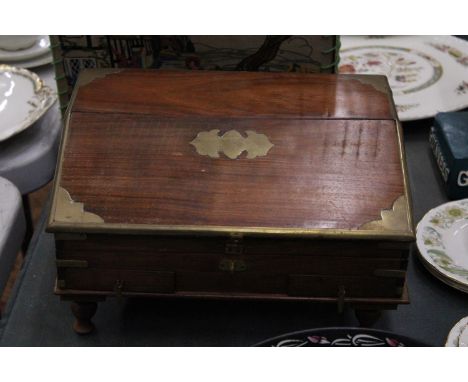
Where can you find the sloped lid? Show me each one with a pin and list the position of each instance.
(232, 153)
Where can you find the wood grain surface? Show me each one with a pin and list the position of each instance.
(237, 94)
(139, 169)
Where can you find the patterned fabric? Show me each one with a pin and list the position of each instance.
(312, 54)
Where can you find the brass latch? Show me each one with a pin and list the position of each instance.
(230, 265)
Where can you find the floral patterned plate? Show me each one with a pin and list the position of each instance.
(427, 74)
(442, 240)
(341, 337)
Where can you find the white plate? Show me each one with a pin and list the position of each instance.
(463, 338)
(33, 62)
(9, 42)
(442, 240)
(23, 100)
(40, 48)
(453, 338)
(427, 74)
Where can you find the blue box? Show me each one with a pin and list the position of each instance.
(449, 141)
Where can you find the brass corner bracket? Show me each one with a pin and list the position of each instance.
(377, 83)
(394, 219)
(69, 211)
(89, 75)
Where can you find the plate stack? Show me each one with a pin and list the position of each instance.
(441, 237)
(458, 336)
(25, 51)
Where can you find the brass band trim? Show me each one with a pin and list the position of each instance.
(149, 229)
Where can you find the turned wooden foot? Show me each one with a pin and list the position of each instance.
(367, 317)
(83, 312)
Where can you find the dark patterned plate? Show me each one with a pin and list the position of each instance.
(340, 337)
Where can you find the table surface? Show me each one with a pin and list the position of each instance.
(36, 317)
(28, 158)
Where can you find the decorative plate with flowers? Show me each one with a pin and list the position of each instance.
(340, 337)
(427, 74)
(442, 239)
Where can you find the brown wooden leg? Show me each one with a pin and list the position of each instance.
(83, 312)
(367, 317)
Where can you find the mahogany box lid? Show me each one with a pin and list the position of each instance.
(232, 153)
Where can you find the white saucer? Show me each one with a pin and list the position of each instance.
(23, 100)
(442, 240)
(33, 62)
(40, 48)
(453, 339)
(463, 338)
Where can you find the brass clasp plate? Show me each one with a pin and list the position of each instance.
(230, 265)
(232, 144)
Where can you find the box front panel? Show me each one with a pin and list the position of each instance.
(153, 265)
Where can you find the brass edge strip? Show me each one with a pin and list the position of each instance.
(406, 185)
(404, 165)
(58, 168)
(152, 229)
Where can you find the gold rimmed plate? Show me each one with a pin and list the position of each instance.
(23, 100)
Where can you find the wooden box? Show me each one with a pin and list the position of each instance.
(231, 185)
